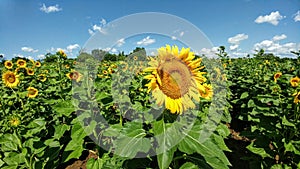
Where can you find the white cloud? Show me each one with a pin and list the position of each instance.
(99, 28)
(120, 42)
(29, 49)
(297, 16)
(233, 47)
(276, 48)
(19, 55)
(209, 52)
(41, 56)
(181, 34)
(50, 9)
(70, 48)
(273, 18)
(103, 21)
(174, 38)
(237, 38)
(146, 41)
(279, 37)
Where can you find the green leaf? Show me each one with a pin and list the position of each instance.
(244, 95)
(251, 103)
(60, 130)
(64, 108)
(189, 165)
(131, 140)
(73, 150)
(10, 142)
(77, 132)
(290, 147)
(13, 158)
(287, 123)
(94, 164)
(260, 151)
(36, 126)
(192, 143)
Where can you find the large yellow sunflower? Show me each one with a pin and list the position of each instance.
(295, 81)
(175, 78)
(32, 92)
(8, 64)
(38, 64)
(74, 75)
(21, 63)
(10, 79)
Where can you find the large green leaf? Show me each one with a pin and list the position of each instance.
(94, 164)
(211, 152)
(131, 140)
(189, 165)
(64, 108)
(60, 130)
(256, 150)
(73, 150)
(10, 142)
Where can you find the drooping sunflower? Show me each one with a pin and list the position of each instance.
(276, 76)
(296, 97)
(21, 63)
(10, 79)
(30, 71)
(175, 78)
(38, 64)
(8, 64)
(295, 81)
(207, 93)
(42, 77)
(32, 92)
(74, 75)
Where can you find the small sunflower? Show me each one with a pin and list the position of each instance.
(8, 64)
(295, 81)
(67, 66)
(29, 71)
(276, 76)
(14, 121)
(74, 75)
(296, 97)
(207, 93)
(21, 63)
(38, 64)
(42, 77)
(32, 92)
(10, 79)
(175, 78)
(62, 53)
(135, 58)
(105, 72)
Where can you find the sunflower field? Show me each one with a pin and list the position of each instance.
(174, 110)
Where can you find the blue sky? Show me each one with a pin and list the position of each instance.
(32, 28)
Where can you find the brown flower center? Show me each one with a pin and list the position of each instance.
(11, 78)
(175, 78)
(31, 92)
(74, 75)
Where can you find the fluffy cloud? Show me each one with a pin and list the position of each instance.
(146, 41)
(237, 38)
(233, 47)
(50, 9)
(41, 56)
(273, 18)
(279, 37)
(99, 28)
(120, 42)
(209, 52)
(70, 48)
(272, 46)
(297, 16)
(29, 49)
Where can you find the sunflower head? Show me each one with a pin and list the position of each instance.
(295, 81)
(10, 79)
(62, 53)
(206, 91)
(32, 92)
(14, 121)
(21, 63)
(29, 71)
(42, 77)
(38, 64)
(175, 78)
(276, 76)
(296, 97)
(8, 64)
(74, 75)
